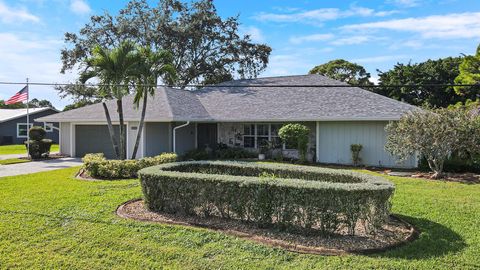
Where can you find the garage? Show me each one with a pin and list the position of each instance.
(94, 139)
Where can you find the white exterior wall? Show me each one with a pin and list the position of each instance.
(65, 140)
(334, 140)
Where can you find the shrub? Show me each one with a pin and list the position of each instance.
(223, 152)
(285, 196)
(435, 135)
(296, 134)
(233, 153)
(98, 166)
(197, 154)
(355, 149)
(38, 146)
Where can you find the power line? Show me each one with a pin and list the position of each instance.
(243, 85)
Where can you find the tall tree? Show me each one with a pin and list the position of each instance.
(205, 47)
(115, 69)
(152, 65)
(422, 76)
(34, 103)
(469, 74)
(435, 135)
(344, 71)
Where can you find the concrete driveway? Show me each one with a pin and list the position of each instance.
(38, 166)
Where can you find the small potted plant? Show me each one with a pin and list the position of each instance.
(264, 148)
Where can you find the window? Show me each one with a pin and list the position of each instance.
(262, 134)
(48, 127)
(254, 135)
(249, 136)
(22, 130)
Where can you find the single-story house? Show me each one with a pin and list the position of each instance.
(240, 115)
(14, 128)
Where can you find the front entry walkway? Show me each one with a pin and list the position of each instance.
(38, 166)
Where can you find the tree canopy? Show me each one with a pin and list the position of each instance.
(34, 103)
(441, 71)
(435, 135)
(344, 71)
(205, 48)
(469, 74)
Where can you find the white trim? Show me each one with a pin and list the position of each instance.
(127, 144)
(30, 125)
(50, 125)
(174, 134)
(60, 138)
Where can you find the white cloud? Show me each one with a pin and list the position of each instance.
(380, 59)
(449, 26)
(255, 33)
(80, 7)
(15, 15)
(318, 16)
(405, 3)
(352, 40)
(308, 38)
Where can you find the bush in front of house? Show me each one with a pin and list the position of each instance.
(355, 149)
(222, 152)
(38, 147)
(284, 196)
(296, 134)
(96, 165)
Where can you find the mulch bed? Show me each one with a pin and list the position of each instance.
(394, 233)
(82, 174)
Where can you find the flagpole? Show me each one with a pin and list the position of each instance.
(28, 122)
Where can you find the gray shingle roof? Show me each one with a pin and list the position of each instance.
(10, 114)
(239, 101)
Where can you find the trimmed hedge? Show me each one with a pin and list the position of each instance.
(98, 166)
(285, 196)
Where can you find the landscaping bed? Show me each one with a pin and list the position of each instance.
(393, 233)
(289, 198)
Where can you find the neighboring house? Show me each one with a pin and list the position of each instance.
(239, 115)
(13, 124)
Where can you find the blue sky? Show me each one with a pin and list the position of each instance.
(376, 34)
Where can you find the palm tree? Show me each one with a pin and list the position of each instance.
(151, 66)
(115, 69)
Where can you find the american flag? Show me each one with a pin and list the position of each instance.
(22, 95)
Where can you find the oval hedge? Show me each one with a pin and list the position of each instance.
(286, 196)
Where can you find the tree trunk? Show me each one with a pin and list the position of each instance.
(122, 129)
(140, 126)
(437, 167)
(110, 130)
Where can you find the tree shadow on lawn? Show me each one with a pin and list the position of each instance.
(434, 240)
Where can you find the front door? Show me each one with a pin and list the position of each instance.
(206, 135)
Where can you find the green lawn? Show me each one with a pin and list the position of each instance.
(50, 220)
(12, 161)
(20, 149)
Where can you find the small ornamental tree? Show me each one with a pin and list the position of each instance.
(296, 134)
(435, 135)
